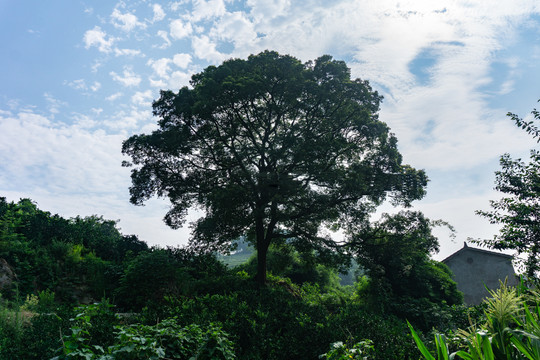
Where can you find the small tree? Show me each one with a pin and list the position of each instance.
(270, 148)
(519, 212)
(395, 252)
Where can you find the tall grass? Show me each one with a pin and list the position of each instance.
(28, 330)
(12, 323)
(511, 330)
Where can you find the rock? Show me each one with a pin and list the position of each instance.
(7, 275)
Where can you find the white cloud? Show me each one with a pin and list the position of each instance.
(160, 83)
(261, 9)
(161, 66)
(177, 5)
(507, 87)
(128, 79)
(128, 120)
(179, 79)
(78, 84)
(54, 104)
(237, 28)
(113, 96)
(159, 14)
(97, 111)
(166, 79)
(182, 60)
(96, 86)
(13, 104)
(82, 121)
(127, 52)
(126, 22)
(98, 38)
(58, 158)
(143, 98)
(514, 72)
(180, 29)
(165, 36)
(95, 66)
(205, 49)
(436, 133)
(207, 9)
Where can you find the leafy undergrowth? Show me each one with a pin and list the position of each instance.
(164, 340)
(511, 330)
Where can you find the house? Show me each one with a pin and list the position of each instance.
(475, 269)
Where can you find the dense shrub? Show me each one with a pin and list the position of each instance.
(150, 277)
(283, 319)
(359, 351)
(153, 275)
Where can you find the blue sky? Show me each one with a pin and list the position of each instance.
(78, 78)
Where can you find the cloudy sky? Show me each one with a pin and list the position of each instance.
(79, 77)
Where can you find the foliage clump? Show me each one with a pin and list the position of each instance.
(400, 277)
(78, 259)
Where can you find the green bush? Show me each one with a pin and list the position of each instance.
(389, 334)
(359, 351)
(93, 325)
(165, 340)
(41, 338)
(168, 340)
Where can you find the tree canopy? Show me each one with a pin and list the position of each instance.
(271, 148)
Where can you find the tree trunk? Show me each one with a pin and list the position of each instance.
(262, 251)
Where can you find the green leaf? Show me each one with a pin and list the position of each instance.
(487, 349)
(442, 349)
(463, 355)
(420, 344)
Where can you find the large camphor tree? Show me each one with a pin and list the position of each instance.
(271, 148)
